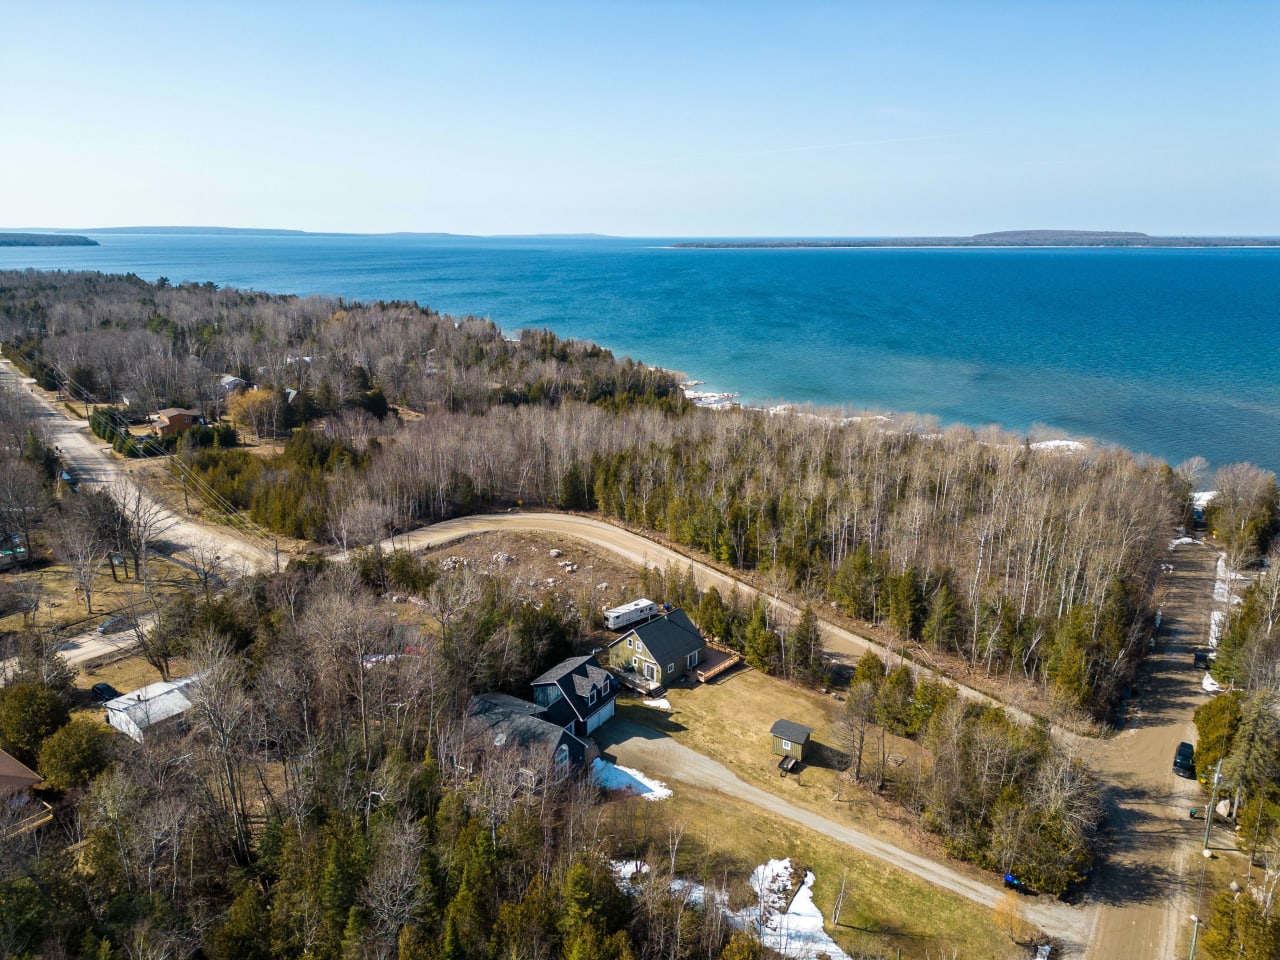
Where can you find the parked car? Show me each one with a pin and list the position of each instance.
(1184, 761)
(102, 692)
(112, 625)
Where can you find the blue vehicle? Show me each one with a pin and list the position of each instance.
(1184, 761)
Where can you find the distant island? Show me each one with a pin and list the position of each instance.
(179, 230)
(1005, 238)
(45, 240)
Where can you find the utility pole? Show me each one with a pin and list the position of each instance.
(1213, 800)
(1195, 935)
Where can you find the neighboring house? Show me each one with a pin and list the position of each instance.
(19, 811)
(136, 713)
(174, 420)
(577, 694)
(662, 650)
(15, 777)
(790, 739)
(498, 722)
(229, 383)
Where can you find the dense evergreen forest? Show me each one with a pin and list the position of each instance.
(329, 804)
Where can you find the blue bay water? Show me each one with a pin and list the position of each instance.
(1169, 352)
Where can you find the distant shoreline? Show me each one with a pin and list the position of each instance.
(1047, 239)
(45, 240)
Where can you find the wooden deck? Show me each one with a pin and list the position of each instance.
(634, 681)
(719, 660)
(42, 814)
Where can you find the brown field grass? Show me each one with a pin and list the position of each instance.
(725, 839)
(729, 720)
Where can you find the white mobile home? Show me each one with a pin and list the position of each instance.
(135, 713)
(634, 612)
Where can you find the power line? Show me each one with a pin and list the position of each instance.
(215, 499)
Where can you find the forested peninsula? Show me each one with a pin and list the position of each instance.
(1004, 238)
(45, 240)
(326, 795)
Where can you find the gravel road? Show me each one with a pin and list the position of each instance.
(640, 550)
(655, 753)
(1145, 884)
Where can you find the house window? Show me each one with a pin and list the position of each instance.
(671, 668)
(562, 754)
(628, 643)
(635, 661)
(786, 744)
(692, 658)
(592, 699)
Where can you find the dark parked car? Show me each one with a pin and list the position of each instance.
(1184, 763)
(102, 692)
(112, 625)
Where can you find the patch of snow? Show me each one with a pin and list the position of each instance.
(663, 704)
(695, 894)
(1200, 499)
(798, 932)
(626, 870)
(1211, 685)
(1057, 445)
(1184, 541)
(1226, 581)
(794, 930)
(609, 776)
(1217, 621)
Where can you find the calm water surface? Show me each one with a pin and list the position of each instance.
(1170, 352)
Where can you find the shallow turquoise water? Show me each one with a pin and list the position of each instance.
(1171, 352)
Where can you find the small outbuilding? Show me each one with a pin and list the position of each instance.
(136, 713)
(790, 739)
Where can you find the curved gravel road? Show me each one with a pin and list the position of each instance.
(640, 550)
(657, 754)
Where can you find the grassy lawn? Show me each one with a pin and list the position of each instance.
(62, 607)
(730, 720)
(884, 908)
(126, 674)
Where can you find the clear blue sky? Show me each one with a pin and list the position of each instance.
(643, 118)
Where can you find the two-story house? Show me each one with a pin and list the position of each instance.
(662, 650)
(577, 694)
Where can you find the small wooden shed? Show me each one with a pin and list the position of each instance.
(790, 739)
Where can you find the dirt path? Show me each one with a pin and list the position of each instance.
(1142, 887)
(642, 551)
(654, 753)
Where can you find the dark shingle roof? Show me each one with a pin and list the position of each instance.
(596, 676)
(790, 730)
(575, 678)
(671, 637)
(499, 720)
(561, 669)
